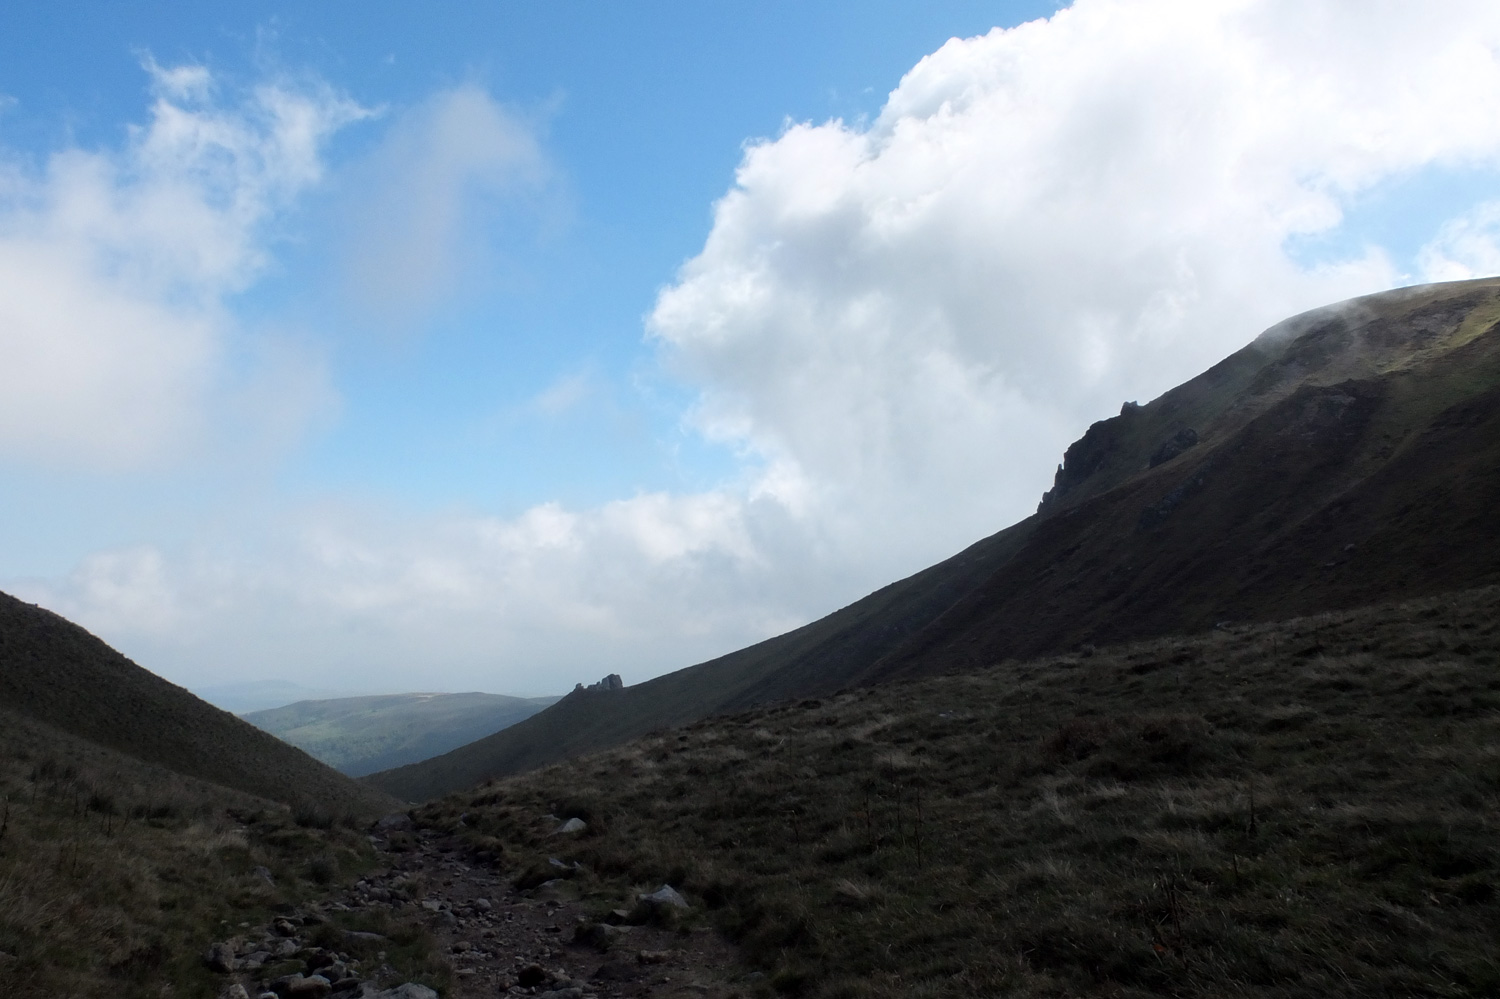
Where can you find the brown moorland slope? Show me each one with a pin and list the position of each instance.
(116, 874)
(1346, 456)
(55, 672)
(1301, 809)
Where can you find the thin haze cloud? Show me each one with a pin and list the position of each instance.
(115, 267)
(897, 325)
(419, 208)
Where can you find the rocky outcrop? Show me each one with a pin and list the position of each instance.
(609, 683)
(1173, 446)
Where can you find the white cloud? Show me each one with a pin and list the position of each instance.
(915, 317)
(114, 265)
(420, 208)
(899, 325)
(1465, 247)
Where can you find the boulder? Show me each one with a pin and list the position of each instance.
(531, 976)
(235, 991)
(600, 936)
(395, 822)
(410, 990)
(311, 987)
(220, 958)
(571, 827)
(667, 897)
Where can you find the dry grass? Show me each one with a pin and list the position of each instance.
(116, 875)
(1306, 809)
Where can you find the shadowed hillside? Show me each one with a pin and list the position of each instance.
(360, 735)
(57, 673)
(1301, 809)
(1348, 455)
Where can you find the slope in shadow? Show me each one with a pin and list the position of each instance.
(55, 672)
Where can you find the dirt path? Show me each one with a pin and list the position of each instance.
(541, 941)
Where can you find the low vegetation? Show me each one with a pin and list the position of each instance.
(116, 875)
(1301, 809)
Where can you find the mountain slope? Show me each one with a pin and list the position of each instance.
(1298, 809)
(57, 673)
(360, 735)
(1347, 455)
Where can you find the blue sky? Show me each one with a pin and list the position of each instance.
(530, 342)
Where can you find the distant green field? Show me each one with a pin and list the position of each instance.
(360, 735)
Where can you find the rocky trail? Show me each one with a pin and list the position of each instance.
(498, 939)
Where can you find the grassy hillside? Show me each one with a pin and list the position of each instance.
(56, 673)
(116, 874)
(1346, 456)
(1300, 809)
(360, 735)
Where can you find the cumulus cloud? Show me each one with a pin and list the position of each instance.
(532, 603)
(898, 324)
(915, 316)
(420, 208)
(114, 266)
(1465, 247)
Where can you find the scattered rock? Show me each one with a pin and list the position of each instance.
(666, 896)
(615, 971)
(600, 936)
(284, 928)
(235, 991)
(408, 991)
(311, 987)
(363, 936)
(569, 993)
(220, 958)
(531, 976)
(657, 956)
(571, 827)
(287, 948)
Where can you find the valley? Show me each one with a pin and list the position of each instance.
(361, 735)
(1221, 719)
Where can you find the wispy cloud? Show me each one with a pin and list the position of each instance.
(115, 265)
(421, 211)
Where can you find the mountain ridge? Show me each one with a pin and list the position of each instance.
(1373, 409)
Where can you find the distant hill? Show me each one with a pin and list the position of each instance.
(1348, 455)
(262, 695)
(360, 735)
(56, 673)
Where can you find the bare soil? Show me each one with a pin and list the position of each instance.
(501, 939)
